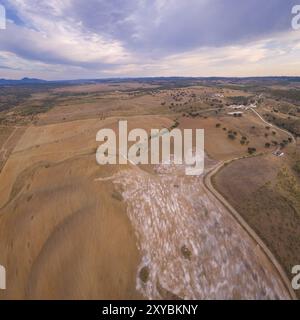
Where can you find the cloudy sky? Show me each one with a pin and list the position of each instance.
(71, 39)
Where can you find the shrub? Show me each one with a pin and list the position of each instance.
(144, 274)
(251, 150)
(117, 196)
(186, 252)
(267, 145)
(296, 167)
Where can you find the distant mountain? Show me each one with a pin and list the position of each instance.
(32, 80)
(22, 81)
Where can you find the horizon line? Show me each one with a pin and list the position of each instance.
(148, 77)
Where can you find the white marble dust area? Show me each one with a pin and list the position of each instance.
(191, 247)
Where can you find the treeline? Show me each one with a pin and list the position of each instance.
(12, 97)
(290, 95)
(292, 125)
(242, 100)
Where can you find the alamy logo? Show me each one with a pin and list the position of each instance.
(2, 17)
(146, 149)
(296, 279)
(296, 18)
(2, 278)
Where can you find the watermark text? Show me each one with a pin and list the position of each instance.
(296, 18)
(296, 279)
(2, 17)
(187, 146)
(2, 278)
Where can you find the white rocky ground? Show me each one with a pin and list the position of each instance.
(191, 247)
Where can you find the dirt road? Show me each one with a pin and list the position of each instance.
(209, 186)
(274, 126)
(8, 146)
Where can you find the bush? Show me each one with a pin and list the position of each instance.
(267, 145)
(251, 150)
(296, 167)
(144, 274)
(186, 252)
(117, 196)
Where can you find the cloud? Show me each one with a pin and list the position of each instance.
(271, 56)
(98, 38)
(170, 26)
(49, 36)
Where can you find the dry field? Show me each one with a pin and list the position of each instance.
(9, 137)
(63, 235)
(266, 192)
(103, 105)
(5, 132)
(104, 87)
(71, 229)
(217, 144)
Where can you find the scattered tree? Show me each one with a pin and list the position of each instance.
(267, 145)
(251, 150)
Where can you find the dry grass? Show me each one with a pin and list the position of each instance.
(266, 193)
(64, 235)
(219, 146)
(5, 132)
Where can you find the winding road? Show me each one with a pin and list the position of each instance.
(209, 186)
(274, 126)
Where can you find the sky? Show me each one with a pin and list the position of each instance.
(85, 39)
